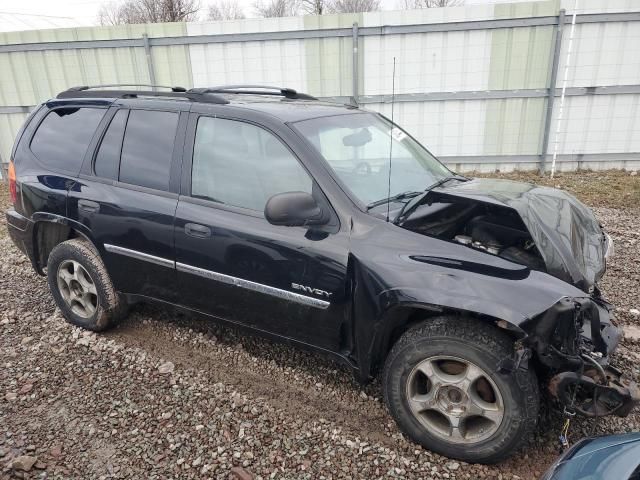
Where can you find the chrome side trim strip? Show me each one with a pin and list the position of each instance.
(256, 287)
(164, 262)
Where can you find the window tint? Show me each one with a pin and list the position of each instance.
(147, 148)
(242, 165)
(64, 135)
(108, 157)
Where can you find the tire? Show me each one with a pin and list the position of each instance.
(442, 373)
(81, 286)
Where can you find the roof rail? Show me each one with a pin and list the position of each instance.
(176, 92)
(255, 90)
(92, 87)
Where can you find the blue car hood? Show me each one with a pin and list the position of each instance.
(599, 458)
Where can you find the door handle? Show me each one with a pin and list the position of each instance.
(88, 206)
(197, 230)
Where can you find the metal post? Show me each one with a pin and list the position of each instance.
(354, 88)
(563, 92)
(147, 51)
(552, 91)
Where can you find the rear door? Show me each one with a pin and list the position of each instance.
(231, 262)
(128, 193)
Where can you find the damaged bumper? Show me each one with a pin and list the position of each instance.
(596, 395)
(574, 340)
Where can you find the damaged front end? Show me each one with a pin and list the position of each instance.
(573, 341)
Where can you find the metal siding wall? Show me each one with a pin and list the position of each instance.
(9, 125)
(427, 62)
(319, 66)
(270, 62)
(440, 125)
(603, 54)
(510, 59)
(461, 127)
(600, 124)
(172, 66)
(29, 78)
(500, 59)
(275, 62)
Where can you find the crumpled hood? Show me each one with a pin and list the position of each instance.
(566, 232)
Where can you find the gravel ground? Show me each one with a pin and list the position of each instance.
(165, 395)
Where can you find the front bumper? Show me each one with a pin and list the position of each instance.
(574, 340)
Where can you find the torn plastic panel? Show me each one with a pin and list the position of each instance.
(573, 339)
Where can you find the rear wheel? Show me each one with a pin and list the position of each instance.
(442, 387)
(81, 287)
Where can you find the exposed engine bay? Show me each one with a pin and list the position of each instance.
(493, 229)
(572, 340)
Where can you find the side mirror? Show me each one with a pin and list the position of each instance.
(294, 209)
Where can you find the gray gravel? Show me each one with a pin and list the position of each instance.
(165, 395)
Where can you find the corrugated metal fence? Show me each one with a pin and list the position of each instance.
(475, 84)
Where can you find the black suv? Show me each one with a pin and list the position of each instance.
(326, 226)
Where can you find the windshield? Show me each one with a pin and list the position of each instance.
(357, 147)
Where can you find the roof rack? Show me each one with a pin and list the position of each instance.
(255, 90)
(205, 95)
(92, 87)
(86, 91)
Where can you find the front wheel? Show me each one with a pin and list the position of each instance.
(442, 386)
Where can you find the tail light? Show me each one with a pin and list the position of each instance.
(13, 188)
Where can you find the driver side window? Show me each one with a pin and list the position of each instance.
(240, 164)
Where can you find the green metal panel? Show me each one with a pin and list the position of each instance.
(526, 9)
(94, 33)
(329, 60)
(28, 78)
(172, 65)
(520, 59)
(513, 126)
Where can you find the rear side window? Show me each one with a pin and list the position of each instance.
(147, 148)
(64, 135)
(108, 156)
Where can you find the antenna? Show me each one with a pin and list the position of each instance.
(393, 102)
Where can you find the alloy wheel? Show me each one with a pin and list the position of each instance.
(77, 288)
(455, 399)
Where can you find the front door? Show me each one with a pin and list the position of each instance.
(231, 263)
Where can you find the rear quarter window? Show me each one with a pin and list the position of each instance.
(62, 138)
(108, 157)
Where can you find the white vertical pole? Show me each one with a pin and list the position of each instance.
(564, 87)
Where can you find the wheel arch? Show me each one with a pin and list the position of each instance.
(400, 318)
(50, 230)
